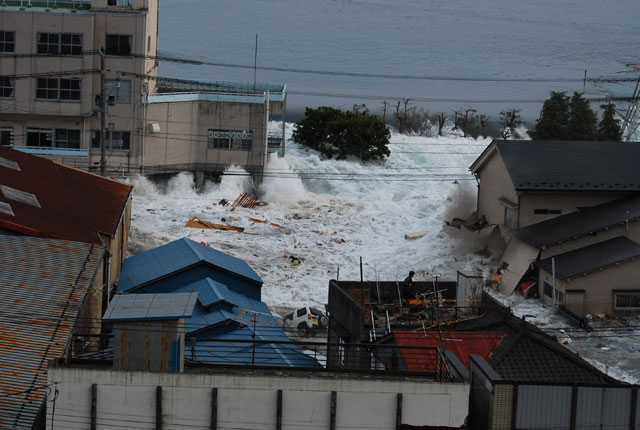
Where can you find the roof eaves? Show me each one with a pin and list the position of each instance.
(483, 157)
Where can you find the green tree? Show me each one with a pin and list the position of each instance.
(583, 122)
(554, 118)
(609, 127)
(338, 134)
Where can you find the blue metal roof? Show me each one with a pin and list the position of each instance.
(176, 256)
(210, 292)
(146, 307)
(43, 284)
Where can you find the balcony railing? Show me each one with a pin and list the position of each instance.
(49, 4)
(45, 150)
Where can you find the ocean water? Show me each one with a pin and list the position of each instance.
(533, 39)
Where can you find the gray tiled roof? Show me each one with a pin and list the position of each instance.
(43, 284)
(527, 354)
(582, 222)
(571, 165)
(593, 257)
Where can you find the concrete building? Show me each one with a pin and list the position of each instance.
(50, 86)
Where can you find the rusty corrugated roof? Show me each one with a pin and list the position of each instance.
(460, 343)
(69, 203)
(43, 283)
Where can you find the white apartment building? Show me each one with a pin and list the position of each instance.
(50, 82)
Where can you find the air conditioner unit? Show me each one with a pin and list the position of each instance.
(153, 127)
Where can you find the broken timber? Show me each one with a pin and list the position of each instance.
(196, 222)
(246, 200)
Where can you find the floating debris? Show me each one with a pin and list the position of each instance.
(196, 222)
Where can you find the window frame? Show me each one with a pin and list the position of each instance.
(6, 134)
(55, 44)
(4, 43)
(117, 52)
(122, 95)
(230, 139)
(631, 295)
(125, 138)
(7, 85)
(547, 211)
(49, 136)
(64, 89)
(70, 137)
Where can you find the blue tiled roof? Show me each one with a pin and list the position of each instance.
(138, 307)
(210, 292)
(176, 256)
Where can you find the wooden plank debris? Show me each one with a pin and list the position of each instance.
(246, 200)
(196, 222)
(416, 235)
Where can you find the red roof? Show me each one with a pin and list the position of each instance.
(69, 204)
(460, 343)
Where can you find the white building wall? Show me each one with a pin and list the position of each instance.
(249, 400)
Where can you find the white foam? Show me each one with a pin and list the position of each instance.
(336, 211)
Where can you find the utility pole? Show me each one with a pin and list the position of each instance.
(103, 112)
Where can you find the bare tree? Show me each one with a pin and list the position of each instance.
(468, 119)
(384, 105)
(441, 119)
(484, 123)
(457, 115)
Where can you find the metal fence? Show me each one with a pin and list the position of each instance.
(278, 353)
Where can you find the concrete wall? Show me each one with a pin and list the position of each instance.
(598, 287)
(249, 400)
(183, 136)
(495, 183)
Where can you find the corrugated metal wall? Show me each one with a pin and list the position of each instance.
(543, 407)
(549, 407)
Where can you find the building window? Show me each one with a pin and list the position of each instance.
(510, 216)
(7, 41)
(230, 139)
(119, 140)
(548, 290)
(118, 2)
(120, 90)
(6, 136)
(118, 44)
(58, 89)
(547, 212)
(6, 88)
(59, 44)
(40, 137)
(148, 44)
(50, 138)
(67, 138)
(627, 301)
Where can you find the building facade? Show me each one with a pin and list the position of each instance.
(52, 75)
